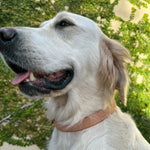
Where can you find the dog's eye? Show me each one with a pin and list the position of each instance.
(64, 23)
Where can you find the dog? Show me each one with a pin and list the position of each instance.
(69, 61)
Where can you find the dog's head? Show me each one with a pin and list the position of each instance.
(63, 53)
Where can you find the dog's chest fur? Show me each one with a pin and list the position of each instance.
(99, 137)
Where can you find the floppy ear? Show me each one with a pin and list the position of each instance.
(113, 74)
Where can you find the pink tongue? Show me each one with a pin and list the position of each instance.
(20, 77)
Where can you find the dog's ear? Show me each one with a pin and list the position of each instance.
(113, 74)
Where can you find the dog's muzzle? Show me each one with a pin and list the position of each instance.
(30, 82)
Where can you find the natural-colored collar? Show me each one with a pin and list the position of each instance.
(88, 121)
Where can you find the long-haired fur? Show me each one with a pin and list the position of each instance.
(112, 70)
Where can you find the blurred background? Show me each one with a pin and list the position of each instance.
(23, 121)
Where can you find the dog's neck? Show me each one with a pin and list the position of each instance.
(79, 102)
(88, 121)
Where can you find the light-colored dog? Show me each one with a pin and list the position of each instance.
(77, 67)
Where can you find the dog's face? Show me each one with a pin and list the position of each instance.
(47, 59)
(60, 54)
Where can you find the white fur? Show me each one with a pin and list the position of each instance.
(118, 132)
(99, 68)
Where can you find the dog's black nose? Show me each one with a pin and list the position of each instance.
(7, 34)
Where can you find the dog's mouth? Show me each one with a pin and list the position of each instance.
(34, 84)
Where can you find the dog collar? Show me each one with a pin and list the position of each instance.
(88, 121)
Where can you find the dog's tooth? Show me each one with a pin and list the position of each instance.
(27, 80)
(32, 78)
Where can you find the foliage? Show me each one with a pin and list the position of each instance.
(29, 125)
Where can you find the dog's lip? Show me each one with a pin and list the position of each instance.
(49, 81)
(45, 84)
(41, 82)
(30, 76)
